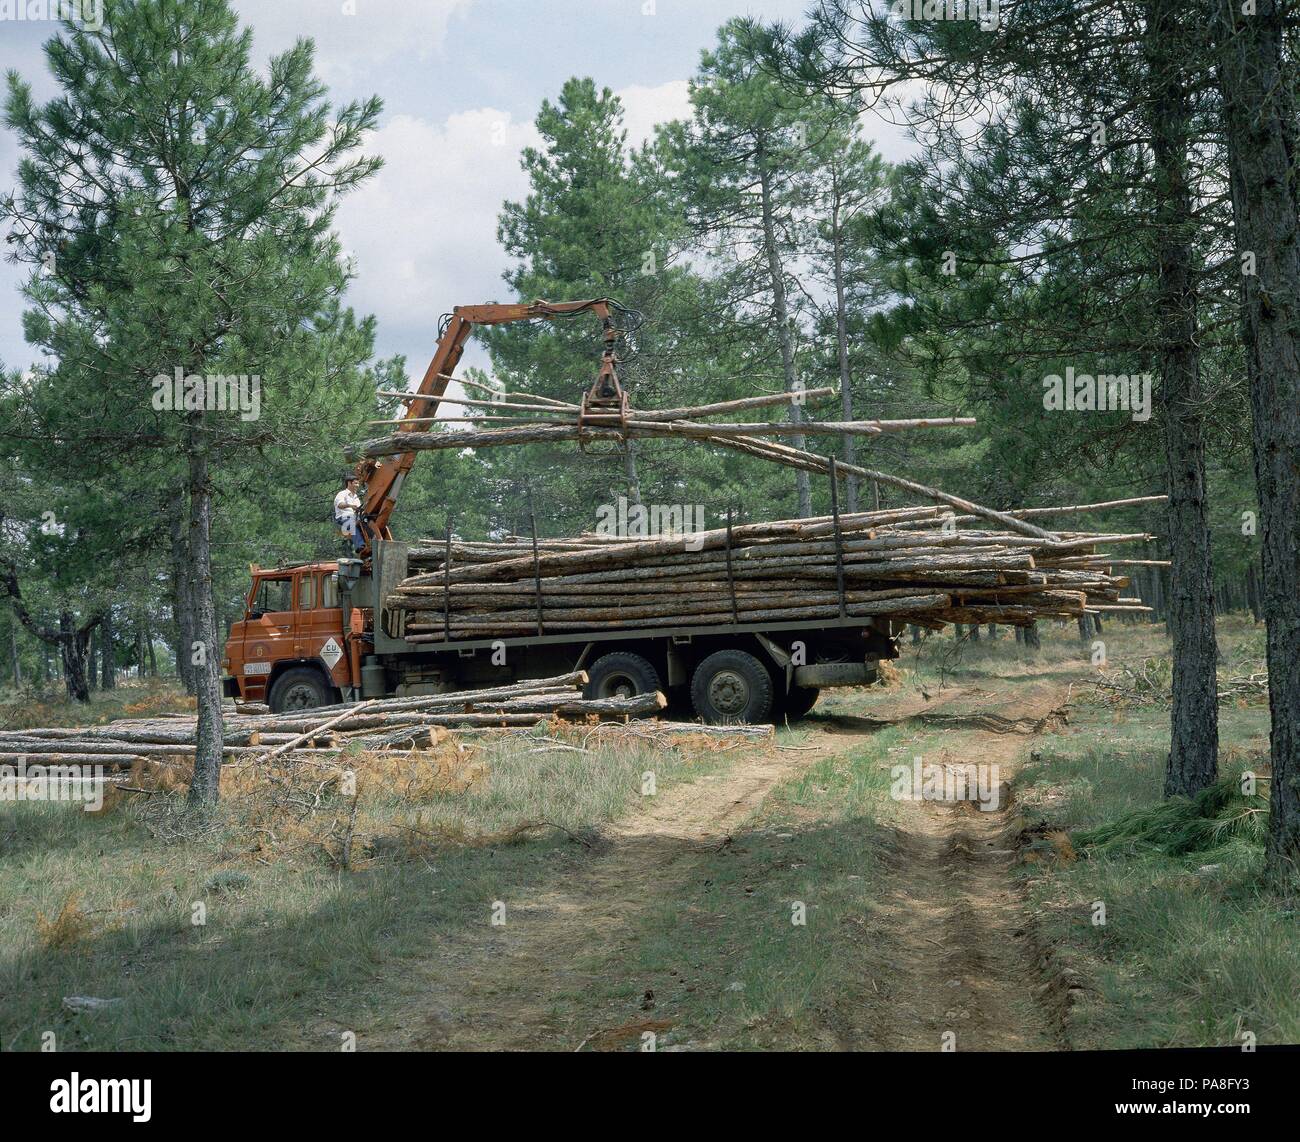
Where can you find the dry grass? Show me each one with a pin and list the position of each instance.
(314, 878)
(27, 708)
(70, 927)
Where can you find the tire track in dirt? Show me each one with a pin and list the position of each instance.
(957, 947)
(950, 946)
(504, 981)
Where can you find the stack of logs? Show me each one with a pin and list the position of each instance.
(395, 723)
(911, 565)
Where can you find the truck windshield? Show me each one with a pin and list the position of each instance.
(274, 595)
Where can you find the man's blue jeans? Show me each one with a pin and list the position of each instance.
(348, 525)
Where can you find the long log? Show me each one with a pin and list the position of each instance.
(304, 737)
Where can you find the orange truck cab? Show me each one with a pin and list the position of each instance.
(290, 650)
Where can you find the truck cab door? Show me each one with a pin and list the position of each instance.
(269, 632)
(319, 630)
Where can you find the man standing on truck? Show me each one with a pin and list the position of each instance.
(346, 504)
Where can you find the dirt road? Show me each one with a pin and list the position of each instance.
(952, 957)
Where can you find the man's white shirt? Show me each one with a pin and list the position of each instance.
(346, 503)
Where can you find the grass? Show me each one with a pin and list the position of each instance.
(1193, 951)
(23, 709)
(104, 905)
(310, 917)
(729, 965)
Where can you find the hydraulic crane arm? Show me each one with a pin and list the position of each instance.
(384, 481)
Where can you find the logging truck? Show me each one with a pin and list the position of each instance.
(320, 632)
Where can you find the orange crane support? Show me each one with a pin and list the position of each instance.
(383, 481)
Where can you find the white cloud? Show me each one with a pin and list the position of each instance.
(424, 230)
(352, 36)
(644, 107)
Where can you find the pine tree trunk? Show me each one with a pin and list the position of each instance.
(206, 786)
(16, 664)
(781, 311)
(842, 343)
(1263, 142)
(182, 595)
(72, 651)
(1194, 746)
(1252, 593)
(1085, 628)
(1032, 639)
(108, 668)
(630, 473)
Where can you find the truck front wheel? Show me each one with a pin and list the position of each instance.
(301, 688)
(732, 686)
(621, 675)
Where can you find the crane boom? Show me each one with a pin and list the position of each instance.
(384, 481)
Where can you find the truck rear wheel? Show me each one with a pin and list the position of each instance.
(798, 701)
(732, 686)
(621, 675)
(301, 688)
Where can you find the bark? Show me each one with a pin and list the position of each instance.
(781, 312)
(629, 472)
(1194, 740)
(182, 595)
(1261, 133)
(108, 667)
(16, 665)
(842, 336)
(72, 650)
(205, 787)
(548, 431)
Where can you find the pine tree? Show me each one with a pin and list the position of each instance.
(163, 217)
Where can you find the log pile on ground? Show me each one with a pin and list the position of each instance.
(392, 723)
(911, 565)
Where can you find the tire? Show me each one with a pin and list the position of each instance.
(798, 701)
(730, 687)
(621, 675)
(302, 688)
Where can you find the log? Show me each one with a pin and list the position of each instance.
(303, 737)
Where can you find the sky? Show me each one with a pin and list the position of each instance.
(461, 81)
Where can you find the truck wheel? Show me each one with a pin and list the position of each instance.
(621, 675)
(732, 686)
(798, 701)
(301, 688)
